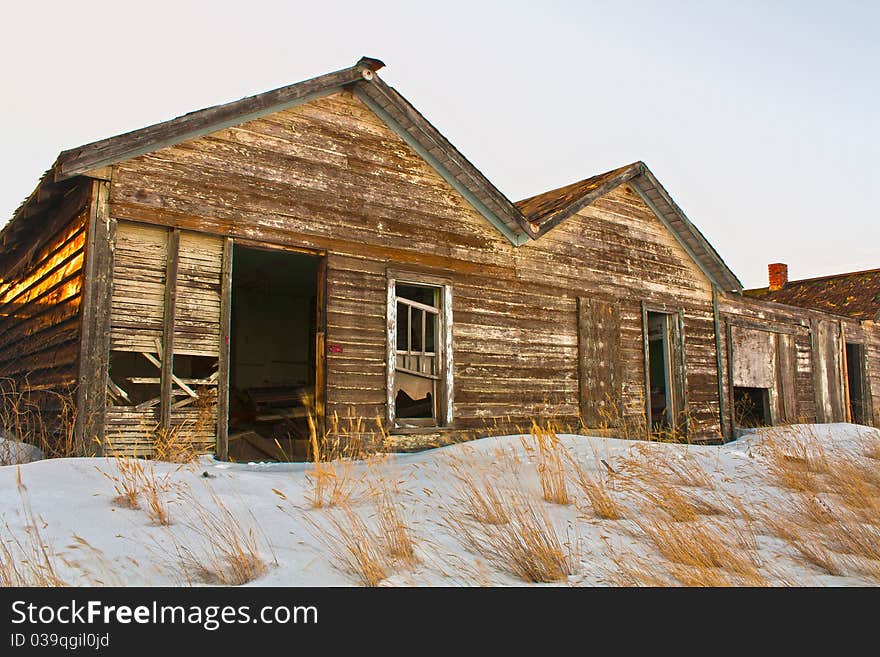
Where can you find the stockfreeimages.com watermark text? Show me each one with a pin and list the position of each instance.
(209, 617)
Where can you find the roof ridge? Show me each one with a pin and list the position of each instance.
(578, 182)
(819, 278)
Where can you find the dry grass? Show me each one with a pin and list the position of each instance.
(354, 547)
(174, 445)
(128, 480)
(369, 549)
(155, 490)
(797, 462)
(551, 456)
(396, 536)
(226, 551)
(633, 570)
(332, 479)
(700, 549)
(23, 418)
(27, 560)
(678, 505)
(479, 492)
(831, 517)
(871, 444)
(689, 473)
(656, 477)
(596, 489)
(528, 545)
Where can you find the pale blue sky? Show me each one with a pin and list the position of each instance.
(760, 118)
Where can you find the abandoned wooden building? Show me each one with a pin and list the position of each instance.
(321, 251)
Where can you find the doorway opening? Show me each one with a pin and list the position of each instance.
(855, 379)
(751, 407)
(659, 371)
(273, 359)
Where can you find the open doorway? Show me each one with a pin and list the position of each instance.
(273, 360)
(855, 378)
(659, 371)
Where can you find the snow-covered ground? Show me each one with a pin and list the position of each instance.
(98, 540)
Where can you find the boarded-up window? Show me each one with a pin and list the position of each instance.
(755, 368)
(786, 352)
(141, 338)
(598, 357)
(828, 372)
(197, 338)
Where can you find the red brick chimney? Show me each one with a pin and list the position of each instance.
(778, 275)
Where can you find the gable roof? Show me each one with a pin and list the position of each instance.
(360, 78)
(853, 294)
(548, 210)
(519, 223)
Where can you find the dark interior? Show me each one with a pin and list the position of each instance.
(855, 367)
(657, 370)
(272, 353)
(751, 407)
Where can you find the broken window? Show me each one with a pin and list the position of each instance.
(419, 391)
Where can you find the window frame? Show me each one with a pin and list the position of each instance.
(443, 346)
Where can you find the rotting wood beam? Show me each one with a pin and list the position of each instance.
(320, 396)
(844, 374)
(647, 370)
(722, 407)
(167, 355)
(94, 350)
(222, 445)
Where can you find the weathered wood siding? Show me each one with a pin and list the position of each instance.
(137, 313)
(330, 176)
(197, 333)
(599, 367)
(617, 250)
(819, 385)
(778, 320)
(140, 296)
(39, 312)
(872, 362)
(40, 302)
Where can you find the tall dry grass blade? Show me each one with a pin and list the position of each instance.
(354, 547)
(595, 488)
(528, 545)
(224, 550)
(551, 457)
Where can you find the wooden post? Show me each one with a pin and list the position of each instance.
(730, 377)
(647, 365)
(221, 448)
(167, 355)
(844, 375)
(722, 410)
(681, 406)
(94, 352)
(321, 347)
